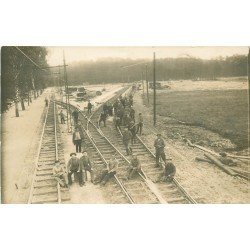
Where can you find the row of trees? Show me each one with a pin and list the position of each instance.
(110, 70)
(23, 75)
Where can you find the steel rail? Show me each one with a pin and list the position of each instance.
(149, 183)
(39, 150)
(95, 146)
(174, 179)
(56, 150)
(37, 157)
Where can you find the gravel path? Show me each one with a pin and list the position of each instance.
(21, 137)
(204, 181)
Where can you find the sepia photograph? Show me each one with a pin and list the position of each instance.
(125, 125)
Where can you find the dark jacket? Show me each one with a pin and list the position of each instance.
(159, 143)
(75, 114)
(74, 137)
(85, 163)
(126, 136)
(170, 169)
(73, 164)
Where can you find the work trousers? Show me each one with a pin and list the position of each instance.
(127, 147)
(132, 172)
(62, 179)
(78, 144)
(70, 176)
(139, 129)
(104, 122)
(62, 120)
(91, 174)
(106, 176)
(81, 177)
(160, 154)
(75, 118)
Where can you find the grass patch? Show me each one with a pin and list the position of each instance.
(222, 111)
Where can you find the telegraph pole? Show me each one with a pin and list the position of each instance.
(142, 83)
(66, 90)
(154, 90)
(146, 79)
(248, 76)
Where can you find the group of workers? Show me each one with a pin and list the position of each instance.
(124, 114)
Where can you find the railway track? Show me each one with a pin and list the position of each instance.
(171, 192)
(140, 189)
(44, 188)
(137, 190)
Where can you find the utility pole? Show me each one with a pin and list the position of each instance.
(66, 91)
(146, 79)
(248, 76)
(142, 84)
(248, 71)
(154, 90)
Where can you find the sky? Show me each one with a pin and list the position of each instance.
(73, 54)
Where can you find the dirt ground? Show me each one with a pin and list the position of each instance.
(204, 181)
(20, 136)
(90, 193)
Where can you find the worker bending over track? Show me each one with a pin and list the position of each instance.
(110, 171)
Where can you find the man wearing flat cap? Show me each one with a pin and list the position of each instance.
(73, 166)
(159, 150)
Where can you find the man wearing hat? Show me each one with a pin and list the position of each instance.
(126, 137)
(169, 171)
(110, 171)
(135, 166)
(85, 165)
(73, 166)
(60, 174)
(77, 140)
(159, 150)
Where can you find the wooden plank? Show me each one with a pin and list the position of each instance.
(220, 165)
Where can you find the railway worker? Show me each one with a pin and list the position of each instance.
(135, 166)
(117, 122)
(110, 171)
(159, 145)
(110, 109)
(75, 115)
(90, 105)
(225, 160)
(46, 102)
(127, 110)
(126, 138)
(86, 166)
(62, 117)
(140, 123)
(126, 102)
(77, 140)
(120, 113)
(169, 171)
(73, 167)
(132, 113)
(133, 130)
(120, 105)
(105, 108)
(60, 174)
(102, 118)
(116, 105)
(130, 100)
